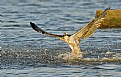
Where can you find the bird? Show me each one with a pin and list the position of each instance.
(73, 40)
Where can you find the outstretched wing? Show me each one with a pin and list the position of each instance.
(88, 29)
(36, 28)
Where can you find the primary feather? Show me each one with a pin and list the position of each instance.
(88, 29)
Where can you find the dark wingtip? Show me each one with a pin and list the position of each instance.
(33, 26)
(30, 22)
(108, 8)
(42, 31)
(37, 28)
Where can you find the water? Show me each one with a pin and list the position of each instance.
(26, 53)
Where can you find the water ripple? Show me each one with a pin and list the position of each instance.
(24, 52)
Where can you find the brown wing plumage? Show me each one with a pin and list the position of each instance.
(85, 32)
(36, 28)
(88, 29)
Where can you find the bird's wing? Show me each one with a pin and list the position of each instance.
(88, 29)
(36, 28)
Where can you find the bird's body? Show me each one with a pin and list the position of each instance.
(73, 40)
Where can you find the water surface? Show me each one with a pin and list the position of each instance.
(26, 53)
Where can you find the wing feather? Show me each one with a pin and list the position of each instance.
(36, 28)
(88, 29)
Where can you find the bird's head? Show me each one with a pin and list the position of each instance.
(66, 37)
(65, 34)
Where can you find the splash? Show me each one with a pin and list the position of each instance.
(107, 57)
(54, 57)
(69, 56)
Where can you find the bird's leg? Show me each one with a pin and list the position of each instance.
(76, 53)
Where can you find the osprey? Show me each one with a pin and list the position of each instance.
(73, 40)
